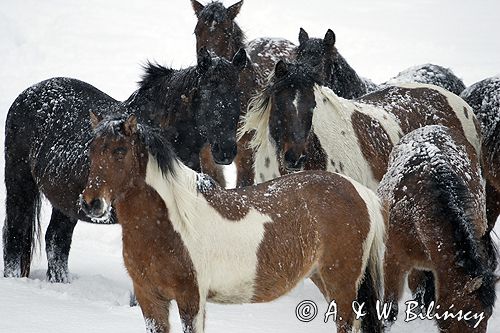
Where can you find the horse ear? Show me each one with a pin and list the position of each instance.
(473, 285)
(94, 119)
(204, 58)
(198, 7)
(280, 69)
(303, 36)
(329, 39)
(130, 125)
(234, 10)
(240, 59)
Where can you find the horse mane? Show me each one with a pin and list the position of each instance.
(454, 201)
(167, 84)
(215, 11)
(260, 105)
(153, 139)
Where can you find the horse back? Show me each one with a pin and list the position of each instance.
(47, 130)
(415, 105)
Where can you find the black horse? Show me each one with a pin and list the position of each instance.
(48, 129)
(338, 75)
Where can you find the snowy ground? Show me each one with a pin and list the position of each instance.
(103, 43)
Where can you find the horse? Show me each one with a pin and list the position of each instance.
(301, 125)
(339, 76)
(47, 132)
(216, 30)
(435, 196)
(484, 98)
(187, 239)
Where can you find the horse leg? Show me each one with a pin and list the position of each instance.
(244, 162)
(192, 312)
(395, 269)
(57, 246)
(421, 283)
(21, 221)
(154, 311)
(209, 167)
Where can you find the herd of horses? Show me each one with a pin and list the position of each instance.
(399, 181)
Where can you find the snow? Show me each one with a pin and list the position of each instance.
(104, 43)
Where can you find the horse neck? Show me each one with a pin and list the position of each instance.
(344, 80)
(179, 190)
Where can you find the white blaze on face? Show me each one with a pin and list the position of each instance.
(296, 102)
(223, 252)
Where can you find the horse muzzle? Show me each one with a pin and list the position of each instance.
(294, 161)
(97, 209)
(224, 153)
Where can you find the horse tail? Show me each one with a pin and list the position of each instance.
(371, 288)
(473, 254)
(21, 231)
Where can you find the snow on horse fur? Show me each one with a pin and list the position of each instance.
(484, 98)
(430, 74)
(300, 124)
(339, 76)
(47, 132)
(435, 196)
(187, 239)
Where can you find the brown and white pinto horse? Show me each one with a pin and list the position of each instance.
(435, 196)
(218, 32)
(300, 124)
(187, 239)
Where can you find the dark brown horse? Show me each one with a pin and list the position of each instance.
(217, 31)
(435, 196)
(47, 132)
(484, 98)
(187, 239)
(339, 76)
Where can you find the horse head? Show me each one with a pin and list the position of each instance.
(216, 29)
(216, 102)
(317, 53)
(290, 120)
(114, 161)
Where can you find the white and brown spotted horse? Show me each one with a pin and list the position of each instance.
(435, 194)
(300, 124)
(187, 239)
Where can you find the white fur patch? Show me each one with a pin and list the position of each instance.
(458, 104)
(332, 125)
(223, 252)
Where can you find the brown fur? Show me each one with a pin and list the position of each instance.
(319, 225)
(374, 141)
(421, 236)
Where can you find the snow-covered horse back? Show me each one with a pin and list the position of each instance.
(435, 196)
(300, 124)
(484, 98)
(187, 239)
(47, 132)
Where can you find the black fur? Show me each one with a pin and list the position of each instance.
(453, 201)
(47, 135)
(369, 295)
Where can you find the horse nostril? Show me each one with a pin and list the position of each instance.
(96, 206)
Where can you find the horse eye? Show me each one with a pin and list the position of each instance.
(119, 152)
